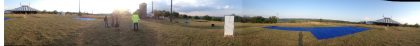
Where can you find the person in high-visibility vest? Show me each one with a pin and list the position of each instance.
(136, 20)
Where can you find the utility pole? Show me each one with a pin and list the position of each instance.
(170, 15)
(79, 9)
(153, 13)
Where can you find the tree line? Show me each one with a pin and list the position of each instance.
(407, 25)
(243, 19)
(56, 12)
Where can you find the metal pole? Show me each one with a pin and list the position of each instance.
(79, 9)
(170, 18)
(153, 14)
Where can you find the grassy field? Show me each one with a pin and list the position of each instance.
(40, 29)
(47, 29)
(252, 34)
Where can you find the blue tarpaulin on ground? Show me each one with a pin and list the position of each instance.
(323, 32)
(288, 28)
(85, 19)
(6, 18)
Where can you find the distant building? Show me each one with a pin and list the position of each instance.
(24, 9)
(385, 21)
(143, 10)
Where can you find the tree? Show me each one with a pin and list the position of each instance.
(184, 16)
(197, 17)
(416, 25)
(55, 12)
(321, 20)
(217, 18)
(405, 24)
(44, 11)
(162, 13)
(175, 14)
(166, 13)
(157, 13)
(237, 18)
(68, 12)
(207, 17)
(258, 19)
(245, 19)
(189, 17)
(272, 19)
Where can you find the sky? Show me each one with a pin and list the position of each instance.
(348, 10)
(90, 6)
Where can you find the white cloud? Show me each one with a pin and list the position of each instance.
(226, 7)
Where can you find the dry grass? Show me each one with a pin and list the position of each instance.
(39, 29)
(44, 29)
(252, 34)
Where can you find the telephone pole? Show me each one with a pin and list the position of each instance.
(170, 15)
(153, 13)
(79, 9)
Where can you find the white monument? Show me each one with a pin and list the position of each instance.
(229, 26)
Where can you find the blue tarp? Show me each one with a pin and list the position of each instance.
(288, 28)
(323, 32)
(85, 19)
(6, 18)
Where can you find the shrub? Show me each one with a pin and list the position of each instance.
(196, 17)
(207, 17)
(258, 19)
(272, 19)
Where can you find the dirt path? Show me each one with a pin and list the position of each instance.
(99, 35)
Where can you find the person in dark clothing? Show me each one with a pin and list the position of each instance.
(106, 22)
(114, 19)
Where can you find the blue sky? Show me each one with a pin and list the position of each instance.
(95, 6)
(349, 10)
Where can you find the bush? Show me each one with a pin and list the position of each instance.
(55, 12)
(272, 19)
(243, 19)
(196, 17)
(405, 24)
(207, 17)
(258, 19)
(217, 18)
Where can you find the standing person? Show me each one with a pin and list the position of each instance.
(136, 20)
(106, 22)
(114, 19)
